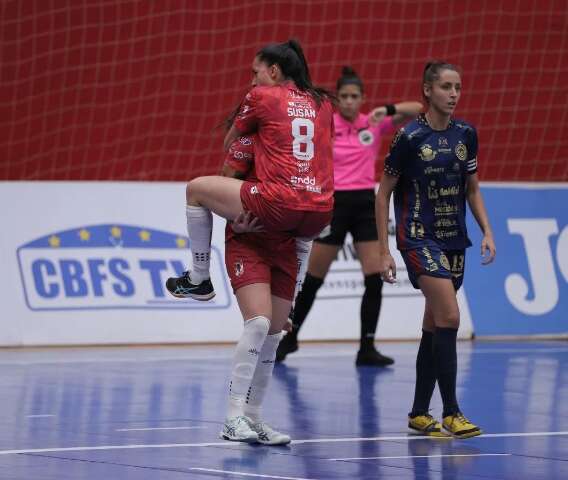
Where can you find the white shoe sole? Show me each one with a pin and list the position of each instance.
(284, 441)
(200, 298)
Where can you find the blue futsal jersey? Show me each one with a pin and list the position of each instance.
(432, 168)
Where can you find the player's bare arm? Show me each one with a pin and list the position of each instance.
(477, 206)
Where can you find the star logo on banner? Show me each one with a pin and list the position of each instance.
(84, 234)
(144, 235)
(54, 241)
(116, 232)
(181, 242)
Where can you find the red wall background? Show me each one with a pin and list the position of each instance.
(133, 90)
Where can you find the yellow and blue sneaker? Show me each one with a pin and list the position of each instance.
(427, 425)
(460, 427)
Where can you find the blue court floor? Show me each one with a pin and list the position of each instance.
(154, 413)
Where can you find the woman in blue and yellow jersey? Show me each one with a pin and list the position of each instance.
(432, 169)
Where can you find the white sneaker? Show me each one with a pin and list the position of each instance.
(268, 436)
(237, 429)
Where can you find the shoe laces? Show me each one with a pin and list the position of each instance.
(460, 417)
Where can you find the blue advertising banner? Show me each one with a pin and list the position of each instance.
(525, 291)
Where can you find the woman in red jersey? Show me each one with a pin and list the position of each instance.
(293, 121)
(262, 269)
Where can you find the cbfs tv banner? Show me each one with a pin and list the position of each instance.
(86, 263)
(525, 292)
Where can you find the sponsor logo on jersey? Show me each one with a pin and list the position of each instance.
(433, 170)
(308, 183)
(254, 190)
(461, 151)
(302, 180)
(366, 137)
(238, 155)
(427, 153)
(245, 140)
(109, 266)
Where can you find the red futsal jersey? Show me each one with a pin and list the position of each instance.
(265, 257)
(293, 151)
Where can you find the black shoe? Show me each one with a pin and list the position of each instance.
(288, 344)
(182, 287)
(372, 358)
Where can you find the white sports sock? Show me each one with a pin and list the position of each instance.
(262, 376)
(199, 228)
(245, 361)
(303, 249)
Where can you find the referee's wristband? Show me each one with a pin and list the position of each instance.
(391, 109)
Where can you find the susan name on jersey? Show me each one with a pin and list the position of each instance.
(301, 112)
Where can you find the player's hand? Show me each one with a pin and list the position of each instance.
(246, 222)
(387, 268)
(377, 115)
(488, 250)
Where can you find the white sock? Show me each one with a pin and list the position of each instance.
(199, 228)
(244, 363)
(262, 376)
(303, 249)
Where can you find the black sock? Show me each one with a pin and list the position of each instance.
(425, 375)
(304, 301)
(446, 362)
(370, 309)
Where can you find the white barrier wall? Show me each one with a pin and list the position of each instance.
(85, 263)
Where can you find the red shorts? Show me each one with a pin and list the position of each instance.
(262, 258)
(275, 218)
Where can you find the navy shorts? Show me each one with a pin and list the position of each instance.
(353, 212)
(434, 262)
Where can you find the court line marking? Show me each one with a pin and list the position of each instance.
(426, 456)
(338, 353)
(294, 442)
(243, 474)
(155, 428)
(40, 416)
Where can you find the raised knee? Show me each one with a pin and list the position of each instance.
(192, 190)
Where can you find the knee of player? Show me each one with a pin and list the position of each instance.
(449, 320)
(188, 192)
(258, 325)
(194, 189)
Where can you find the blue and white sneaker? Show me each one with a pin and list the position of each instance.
(268, 436)
(182, 287)
(238, 429)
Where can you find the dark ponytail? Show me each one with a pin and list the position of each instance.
(349, 77)
(289, 56)
(432, 71)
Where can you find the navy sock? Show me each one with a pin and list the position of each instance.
(370, 309)
(304, 301)
(425, 375)
(446, 362)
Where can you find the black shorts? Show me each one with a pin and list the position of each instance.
(353, 212)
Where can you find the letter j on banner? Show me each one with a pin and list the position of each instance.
(525, 292)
